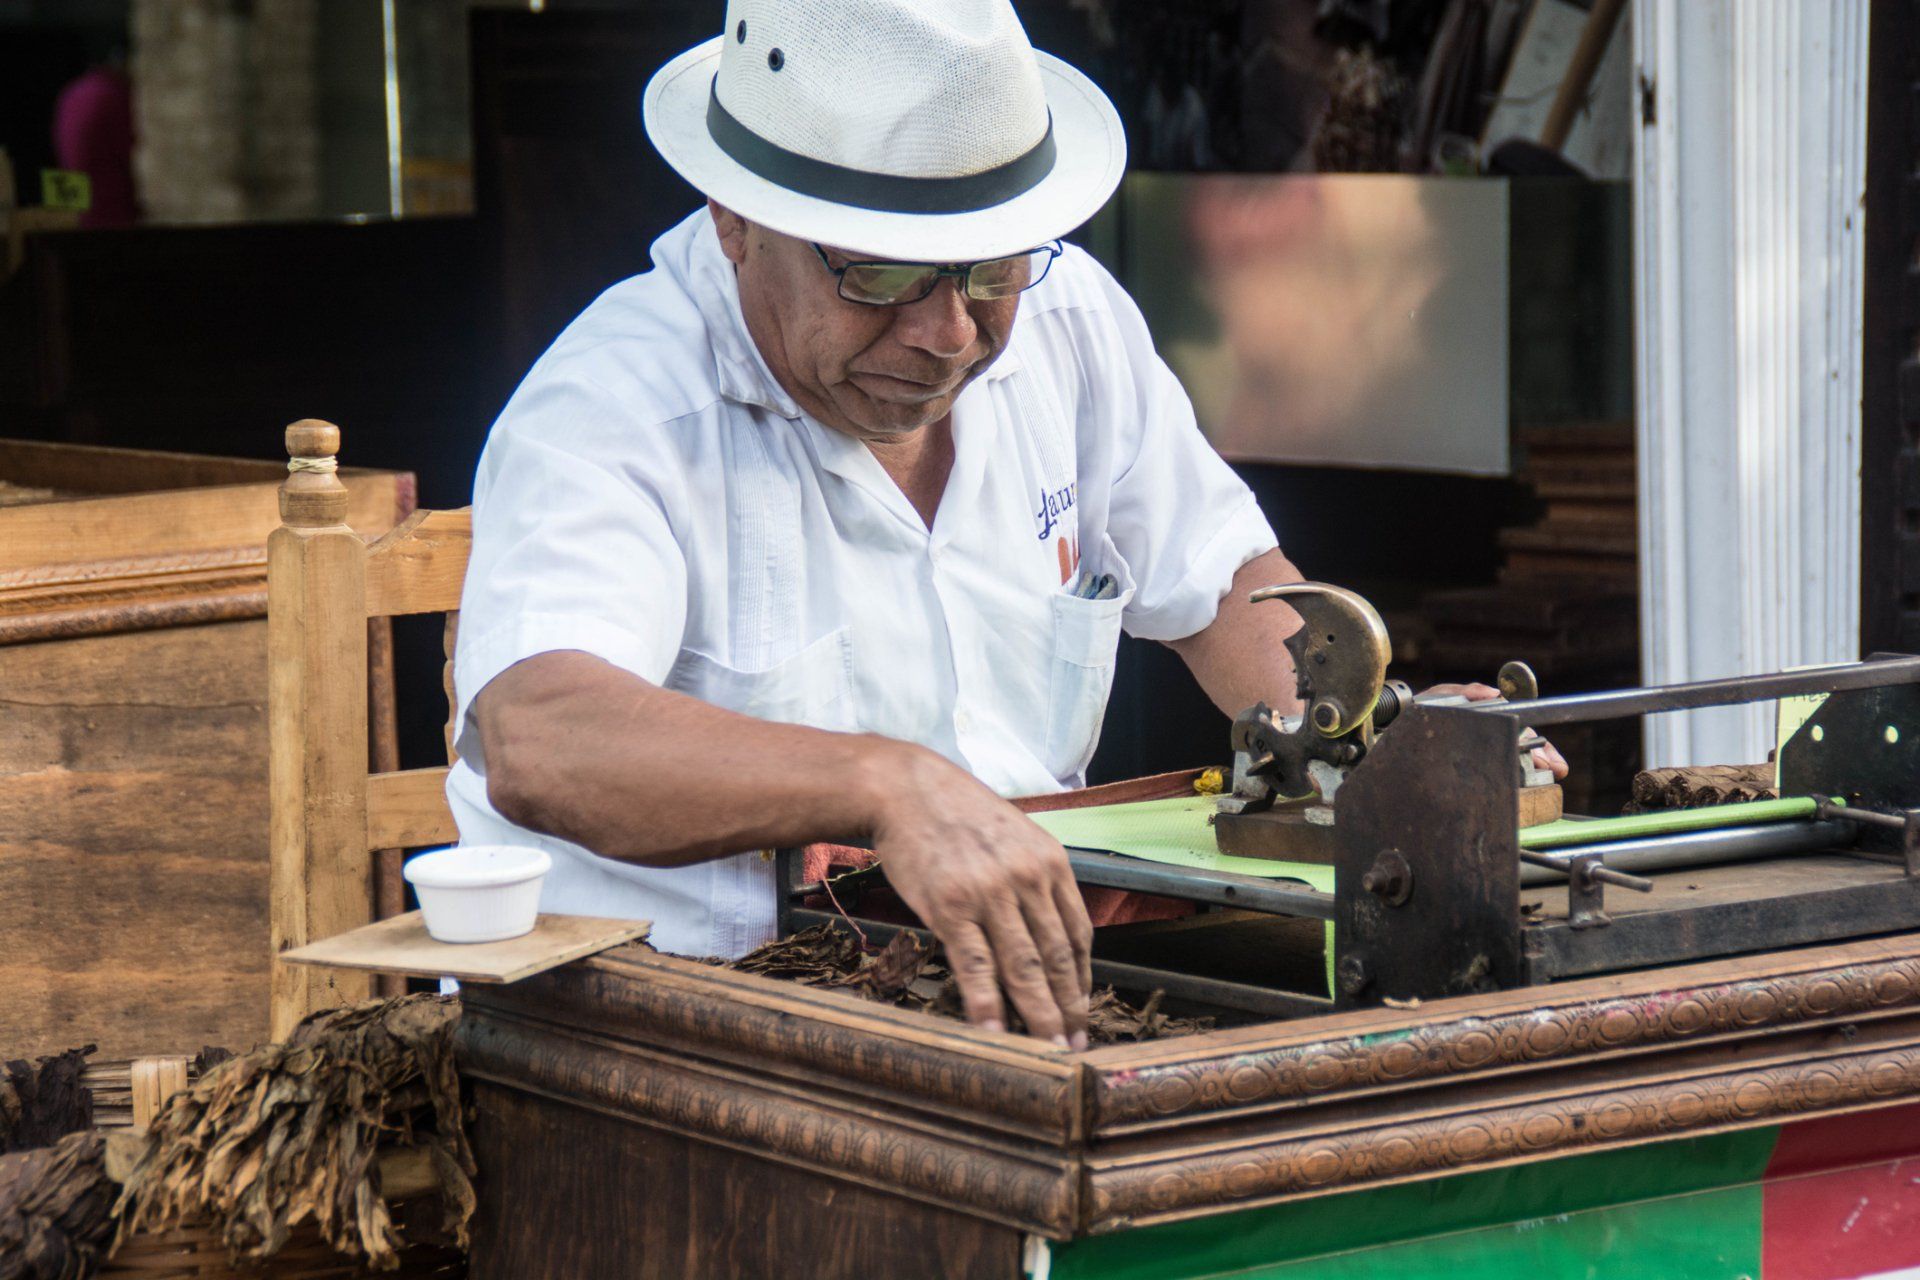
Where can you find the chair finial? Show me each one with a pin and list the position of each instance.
(312, 497)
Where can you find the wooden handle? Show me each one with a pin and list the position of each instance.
(1594, 38)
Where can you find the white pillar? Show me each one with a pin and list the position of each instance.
(1748, 238)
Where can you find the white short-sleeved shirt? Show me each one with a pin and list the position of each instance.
(651, 496)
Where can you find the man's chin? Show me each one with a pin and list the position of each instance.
(892, 419)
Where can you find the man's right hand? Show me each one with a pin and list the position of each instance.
(995, 889)
(579, 749)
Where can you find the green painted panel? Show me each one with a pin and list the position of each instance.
(1500, 1210)
(1704, 1235)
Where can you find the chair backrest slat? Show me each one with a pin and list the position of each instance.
(408, 810)
(419, 566)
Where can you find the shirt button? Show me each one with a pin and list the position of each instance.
(962, 721)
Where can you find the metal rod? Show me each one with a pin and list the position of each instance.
(1133, 977)
(1226, 888)
(1852, 813)
(1706, 848)
(1613, 704)
(1601, 871)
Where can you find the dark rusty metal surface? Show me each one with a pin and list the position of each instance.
(1441, 790)
(1861, 747)
(1561, 949)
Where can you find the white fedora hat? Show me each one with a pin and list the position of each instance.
(908, 130)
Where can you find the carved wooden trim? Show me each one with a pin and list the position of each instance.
(1064, 1144)
(1437, 1042)
(1034, 1187)
(106, 613)
(1279, 1168)
(822, 1040)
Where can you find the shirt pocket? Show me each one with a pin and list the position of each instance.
(1086, 640)
(814, 687)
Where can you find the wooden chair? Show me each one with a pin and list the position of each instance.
(339, 829)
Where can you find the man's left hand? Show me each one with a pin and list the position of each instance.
(1545, 756)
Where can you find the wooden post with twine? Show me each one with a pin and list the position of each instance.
(322, 873)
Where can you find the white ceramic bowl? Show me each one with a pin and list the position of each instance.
(478, 892)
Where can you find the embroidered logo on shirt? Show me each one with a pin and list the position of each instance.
(1053, 505)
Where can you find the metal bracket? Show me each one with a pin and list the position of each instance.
(1586, 893)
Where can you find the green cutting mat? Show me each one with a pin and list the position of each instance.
(1179, 832)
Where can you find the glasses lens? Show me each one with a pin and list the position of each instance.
(1004, 277)
(884, 284)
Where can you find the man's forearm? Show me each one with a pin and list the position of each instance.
(579, 749)
(1240, 658)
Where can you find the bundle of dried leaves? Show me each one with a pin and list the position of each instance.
(906, 974)
(290, 1132)
(56, 1209)
(43, 1101)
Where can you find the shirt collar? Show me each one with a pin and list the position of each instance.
(741, 369)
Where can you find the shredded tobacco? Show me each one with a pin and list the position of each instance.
(906, 974)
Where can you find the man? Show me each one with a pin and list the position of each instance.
(797, 537)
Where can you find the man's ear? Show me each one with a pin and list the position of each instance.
(732, 229)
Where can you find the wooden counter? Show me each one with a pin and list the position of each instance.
(641, 1115)
(133, 744)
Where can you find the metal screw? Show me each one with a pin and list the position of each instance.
(1354, 974)
(1390, 879)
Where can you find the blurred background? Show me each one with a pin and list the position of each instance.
(1387, 244)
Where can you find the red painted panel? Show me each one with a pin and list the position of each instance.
(1845, 1221)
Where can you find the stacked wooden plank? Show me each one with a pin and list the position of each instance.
(1567, 598)
(1589, 531)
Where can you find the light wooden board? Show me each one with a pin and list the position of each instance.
(401, 945)
(408, 810)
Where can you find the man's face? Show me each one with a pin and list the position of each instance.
(875, 373)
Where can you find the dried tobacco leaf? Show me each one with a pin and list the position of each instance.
(891, 973)
(292, 1132)
(56, 1209)
(905, 974)
(44, 1100)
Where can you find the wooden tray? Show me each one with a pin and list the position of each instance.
(401, 945)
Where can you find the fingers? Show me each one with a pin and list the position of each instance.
(1066, 964)
(1471, 692)
(1548, 757)
(973, 972)
(1024, 972)
(1073, 913)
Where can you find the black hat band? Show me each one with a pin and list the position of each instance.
(886, 192)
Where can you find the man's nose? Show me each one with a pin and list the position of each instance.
(939, 324)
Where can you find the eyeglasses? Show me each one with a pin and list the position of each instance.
(894, 284)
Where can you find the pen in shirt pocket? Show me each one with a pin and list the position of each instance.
(1096, 586)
